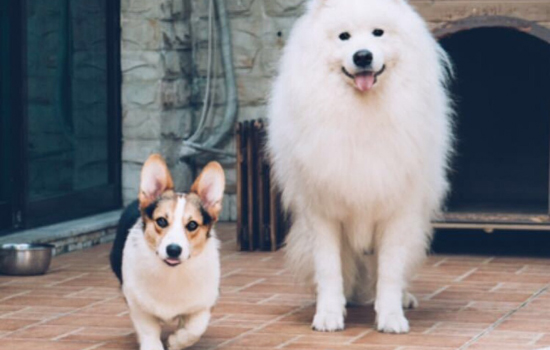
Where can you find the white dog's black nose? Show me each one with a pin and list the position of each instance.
(363, 58)
(173, 251)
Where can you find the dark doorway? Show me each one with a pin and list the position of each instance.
(60, 115)
(502, 94)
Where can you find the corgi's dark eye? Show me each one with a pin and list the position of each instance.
(161, 222)
(378, 32)
(344, 36)
(192, 226)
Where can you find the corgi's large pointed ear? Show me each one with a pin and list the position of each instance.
(210, 186)
(155, 179)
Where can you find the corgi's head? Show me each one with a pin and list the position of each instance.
(177, 225)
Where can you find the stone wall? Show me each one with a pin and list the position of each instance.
(156, 89)
(164, 63)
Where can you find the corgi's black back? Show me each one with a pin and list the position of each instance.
(128, 219)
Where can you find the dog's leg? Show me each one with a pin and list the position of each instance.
(148, 329)
(195, 326)
(401, 247)
(331, 301)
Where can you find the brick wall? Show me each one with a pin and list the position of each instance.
(164, 62)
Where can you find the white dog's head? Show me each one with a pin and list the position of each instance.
(360, 39)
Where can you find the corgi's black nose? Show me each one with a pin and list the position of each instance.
(363, 58)
(173, 251)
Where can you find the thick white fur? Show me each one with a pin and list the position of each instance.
(157, 292)
(361, 173)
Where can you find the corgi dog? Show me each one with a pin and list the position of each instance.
(166, 257)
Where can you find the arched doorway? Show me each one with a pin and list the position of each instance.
(502, 94)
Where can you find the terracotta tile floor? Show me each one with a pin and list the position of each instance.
(466, 303)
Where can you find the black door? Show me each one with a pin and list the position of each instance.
(61, 122)
(10, 125)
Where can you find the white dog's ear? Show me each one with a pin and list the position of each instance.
(155, 179)
(210, 186)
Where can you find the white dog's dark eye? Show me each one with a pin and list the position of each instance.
(378, 32)
(344, 36)
(192, 226)
(161, 222)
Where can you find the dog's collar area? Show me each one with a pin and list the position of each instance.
(365, 72)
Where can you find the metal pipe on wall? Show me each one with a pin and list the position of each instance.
(191, 148)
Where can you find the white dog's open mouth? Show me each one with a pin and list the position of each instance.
(365, 80)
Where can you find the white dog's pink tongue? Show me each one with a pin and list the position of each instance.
(364, 82)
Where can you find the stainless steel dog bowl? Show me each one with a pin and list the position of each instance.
(25, 259)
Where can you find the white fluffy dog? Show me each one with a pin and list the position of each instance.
(360, 135)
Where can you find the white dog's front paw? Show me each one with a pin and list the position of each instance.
(327, 321)
(394, 322)
(181, 340)
(409, 301)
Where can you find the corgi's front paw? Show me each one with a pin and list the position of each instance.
(181, 340)
(151, 345)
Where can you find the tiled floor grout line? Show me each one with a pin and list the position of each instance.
(123, 313)
(14, 312)
(223, 318)
(263, 301)
(6, 284)
(504, 318)
(438, 291)
(68, 333)
(99, 302)
(291, 340)
(359, 336)
(279, 273)
(465, 307)
(259, 328)
(466, 275)
(15, 295)
(440, 262)
(70, 295)
(55, 284)
(520, 271)
(498, 285)
(231, 273)
(427, 331)
(240, 289)
(537, 338)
